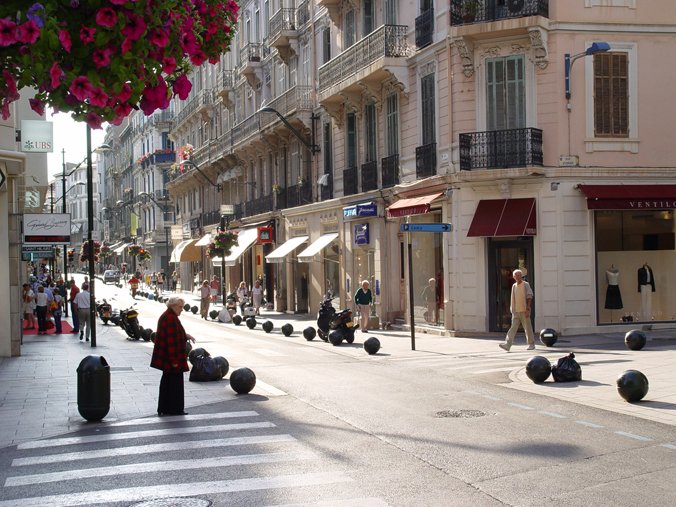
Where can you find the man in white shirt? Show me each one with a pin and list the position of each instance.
(521, 302)
(81, 305)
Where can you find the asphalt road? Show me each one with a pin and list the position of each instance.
(340, 427)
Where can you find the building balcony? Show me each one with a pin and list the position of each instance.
(426, 160)
(250, 58)
(364, 67)
(369, 176)
(334, 7)
(291, 104)
(259, 206)
(424, 29)
(245, 130)
(294, 195)
(501, 149)
(464, 12)
(200, 104)
(390, 171)
(302, 14)
(211, 218)
(350, 181)
(226, 86)
(283, 33)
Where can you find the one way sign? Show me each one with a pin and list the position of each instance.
(425, 228)
(3, 178)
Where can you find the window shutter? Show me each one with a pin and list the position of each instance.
(611, 95)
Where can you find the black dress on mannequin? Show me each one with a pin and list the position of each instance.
(613, 295)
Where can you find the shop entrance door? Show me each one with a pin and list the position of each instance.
(504, 256)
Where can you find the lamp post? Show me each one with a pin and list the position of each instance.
(312, 145)
(164, 209)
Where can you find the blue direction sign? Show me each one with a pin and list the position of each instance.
(426, 227)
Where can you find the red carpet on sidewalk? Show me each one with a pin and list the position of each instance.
(65, 328)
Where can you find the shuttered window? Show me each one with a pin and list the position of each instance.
(611, 95)
(505, 93)
(392, 124)
(427, 101)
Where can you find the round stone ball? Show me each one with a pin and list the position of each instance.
(538, 369)
(548, 336)
(372, 345)
(237, 319)
(194, 309)
(223, 365)
(242, 380)
(287, 329)
(186, 308)
(635, 339)
(151, 296)
(251, 322)
(147, 334)
(213, 314)
(268, 326)
(309, 333)
(336, 338)
(195, 353)
(632, 385)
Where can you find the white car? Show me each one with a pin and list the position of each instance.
(111, 275)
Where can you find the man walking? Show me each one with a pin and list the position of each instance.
(74, 291)
(521, 302)
(81, 306)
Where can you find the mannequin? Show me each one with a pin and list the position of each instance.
(613, 295)
(646, 286)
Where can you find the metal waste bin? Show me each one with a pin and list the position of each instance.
(93, 388)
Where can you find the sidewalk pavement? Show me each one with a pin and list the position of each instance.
(38, 390)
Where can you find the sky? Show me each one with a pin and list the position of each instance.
(71, 136)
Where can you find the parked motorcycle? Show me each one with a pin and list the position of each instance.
(248, 309)
(231, 304)
(104, 311)
(129, 322)
(342, 327)
(326, 313)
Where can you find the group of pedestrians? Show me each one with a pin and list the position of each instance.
(41, 301)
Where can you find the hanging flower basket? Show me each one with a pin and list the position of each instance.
(106, 251)
(143, 255)
(222, 244)
(276, 189)
(134, 250)
(84, 251)
(186, 151)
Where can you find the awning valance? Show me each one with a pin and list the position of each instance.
(204, 240)
(186, 251)
(279, 253)
(629, 197)
(245, 238)
(317, 246)
(412, 206)
(504, 217)
(121, 248)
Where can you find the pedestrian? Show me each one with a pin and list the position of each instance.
(82, 307)
(160, 282)
(520, 305)
(27, 301)
(57, 312)
(153, 280)
(363, 298)
(174, 280)
(74, 291)
(257, 296)
(63, 292)
(215, 286)
(205, 299)
(169, 355)
(41, 309)
(430, 295)
(133, 285)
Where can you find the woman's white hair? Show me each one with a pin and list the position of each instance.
(174, 300)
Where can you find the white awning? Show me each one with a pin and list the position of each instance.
(278, 254)
(186, 251)
(322, 242)
(121, 248)
(245, 238)
(204, 240)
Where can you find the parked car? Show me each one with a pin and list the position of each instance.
(111, 275)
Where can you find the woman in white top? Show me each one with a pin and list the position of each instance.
(41, 301)
(27, 305)
(242, 292)
(257, 294)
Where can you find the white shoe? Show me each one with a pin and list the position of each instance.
(504, 346)
(530, 347)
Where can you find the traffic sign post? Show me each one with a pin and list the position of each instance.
(425, 228)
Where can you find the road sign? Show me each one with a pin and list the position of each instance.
(3, 178)
(426, 227)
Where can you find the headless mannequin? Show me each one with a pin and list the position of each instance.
(613, 295)
(646, 287)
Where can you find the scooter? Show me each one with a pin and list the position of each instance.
(104, 311)
(248, 309)
(326, 313)
(231, 304)
(129, 322)
(343, 327)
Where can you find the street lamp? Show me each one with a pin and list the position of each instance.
(54, 201)
(189, 162)
(165, 208)
(312, 146)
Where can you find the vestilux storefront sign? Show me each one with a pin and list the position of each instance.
(364, 209)
(46, 228)
(37, 136)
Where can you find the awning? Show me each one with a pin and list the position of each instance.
(412, 206)
(186, 251)
(279, 253)
(121, 248)
(629, 197)
(504, 217)
(204, 240)
(316, 247)
(245, 238)
(114, 245)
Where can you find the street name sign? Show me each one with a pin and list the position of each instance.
(425, 227)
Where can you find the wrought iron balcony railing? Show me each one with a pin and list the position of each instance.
(259, 205)
(466, 12)
(245, 129)
(210, 218)
(350, 181)
(390, 171)
(385, 42)
(297, 98)
(426, 160)
(239, 211)
(282, 20)
(369, 176)
(302, 14)
(252, 52)
(295, 195)
(499, 149)
(424, 28)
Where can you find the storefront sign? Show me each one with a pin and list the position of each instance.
(46, 228)
(37, 136)
(361, 234)
(265, 234)
(364, 209)
(176, 232)
(186, 230)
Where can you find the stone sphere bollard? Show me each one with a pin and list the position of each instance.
(548, 336)
(538, 369)
(372, 345)
(237, 319)
(152, 336)
(223, 365)
(147, 334)
(213, 314)
(336, 338)
(195, 353)
(309, 333)
(635, 339)
(287, 329)
(242, 380)
(151, 296)
(632, 385)
(251, 322)
(194, 309)
(268, 326)
(186, 308)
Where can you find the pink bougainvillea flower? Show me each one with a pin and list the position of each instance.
(93, 120)
(118, 2)
(4, 109)
(168, 64)
(123, 110)
(98, 98)
(154, 97)
(37, 106)
(126, 46)
(28, 32)
(55, 75)
(106, 16)
(81, 88)
(182, 87)
(159, 38)
(87, 34)
(124, 94)
(198, 57)
(101, 57)
(10, 83)
(64, 39)
(135, 27)
(7, 32)
(189, 42)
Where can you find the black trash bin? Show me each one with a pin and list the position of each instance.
(93, 388)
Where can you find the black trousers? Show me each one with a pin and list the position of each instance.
(171, 400)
